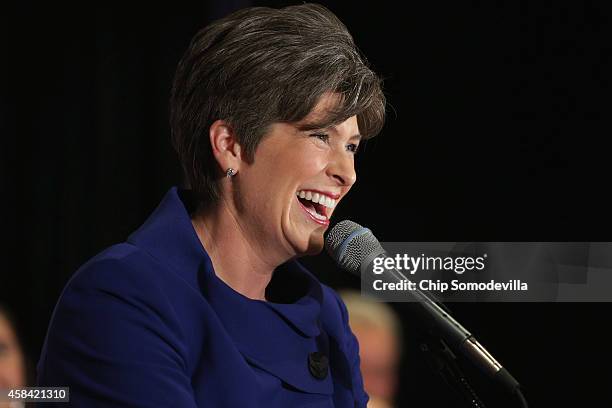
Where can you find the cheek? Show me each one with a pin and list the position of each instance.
(308, 164)
(276, 175)
(265, 191)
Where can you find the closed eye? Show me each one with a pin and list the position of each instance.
(321, 136)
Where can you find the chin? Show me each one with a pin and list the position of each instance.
(312, 244)
(316, 242)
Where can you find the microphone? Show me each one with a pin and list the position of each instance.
(352, 246)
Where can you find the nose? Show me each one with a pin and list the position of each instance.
(342, 169)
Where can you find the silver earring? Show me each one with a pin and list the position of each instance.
(230, 173)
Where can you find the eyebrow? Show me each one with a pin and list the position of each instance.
(356, 137)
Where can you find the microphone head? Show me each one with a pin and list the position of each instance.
(349, 245)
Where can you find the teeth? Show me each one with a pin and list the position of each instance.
(317, 198)
(317, 216)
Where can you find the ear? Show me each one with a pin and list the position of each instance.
(225, 145)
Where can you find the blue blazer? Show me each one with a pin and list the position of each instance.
(147, 323)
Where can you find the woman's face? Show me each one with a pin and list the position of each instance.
(12, 370)
(291, 170)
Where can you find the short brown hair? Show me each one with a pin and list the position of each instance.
(259, 66)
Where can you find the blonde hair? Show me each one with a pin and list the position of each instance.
(365, 311)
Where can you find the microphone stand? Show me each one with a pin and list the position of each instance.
(451, 331)
(443, 361)
(354, 248)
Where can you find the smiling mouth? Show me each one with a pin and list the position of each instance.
(317, 206)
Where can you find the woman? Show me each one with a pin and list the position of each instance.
(205, 304)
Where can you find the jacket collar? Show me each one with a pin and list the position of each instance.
(169, 237)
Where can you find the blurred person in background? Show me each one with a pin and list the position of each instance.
(378, 331)
(12, 359)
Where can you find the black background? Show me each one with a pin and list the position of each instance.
(497, 129)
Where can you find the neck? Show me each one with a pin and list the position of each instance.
(238, 258)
